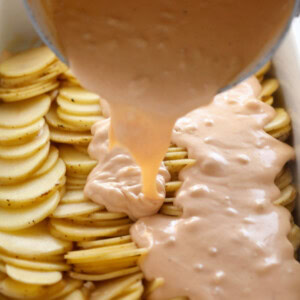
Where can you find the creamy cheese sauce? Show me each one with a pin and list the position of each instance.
(116, 180)
(231, 241)
(156, 60)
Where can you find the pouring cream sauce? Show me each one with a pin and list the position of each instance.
(156, 60)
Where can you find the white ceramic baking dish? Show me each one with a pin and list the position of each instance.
(16, 33)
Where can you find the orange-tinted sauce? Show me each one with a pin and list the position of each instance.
(154, 61)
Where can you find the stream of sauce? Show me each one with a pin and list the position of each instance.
(155, 61)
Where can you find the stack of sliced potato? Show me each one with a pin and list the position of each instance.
(78, 219)
(30, 170)
(32, 264)
(69, 79)
(126, 288)
(29, 74)
(72, 115)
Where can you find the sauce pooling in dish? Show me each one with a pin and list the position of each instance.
(156, 60)
(231, 240)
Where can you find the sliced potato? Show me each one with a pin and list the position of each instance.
(18, 290)
(263, 70)
(82, 149)
(9, 136)
(105, 254)
(27, 149)
(70, 285)
(106, 276)
(76, 295)
(269, 87)
(13, 171)
(79, 109)
(79, 95)
(75, 209)
(77, 232)
(73, 197)
(281, 120)
(32, 243)
(76, 181)
(46, 74)
(76, 161)
(33, 276)
(20, 218)
(114, 288)
(34, 265)
(14, 115)
(2, 270)
(33, 190)
(100, 216)
(18, 95)
(74, 187)
(78, 121)
(49, 163)
(105, 242)
(27, 62)
(54, 121)
(78, 138)
(104, 223)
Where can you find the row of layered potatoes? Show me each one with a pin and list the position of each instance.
(54, 242)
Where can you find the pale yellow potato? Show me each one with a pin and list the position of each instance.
(16, 136)
(16, 170)
(262, 71)
(23, 89)
(105, 254)
(73, 197)
(82, 149)
(61, 136)
(83, 220)
(106, 276)
(18, 95)
(69, 285)
(105, 242)
(27, 62)
(79, 95)
(76, 162)
(76, 295)
(281, 120)
(74, 187)
(101, 216)
(19, 290)
(33, 190)
(33, 276)
(269, 87)
(80, 109)
(19, 218)
(54, 121)
(113, 288)
(74, 209)
(53, 70)
(34, 265)
(27, 149)
(33, 243)
(76, 232)
(23, 113)
(76, 181)
(78, 121)
(49, 163)
(2, 270)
